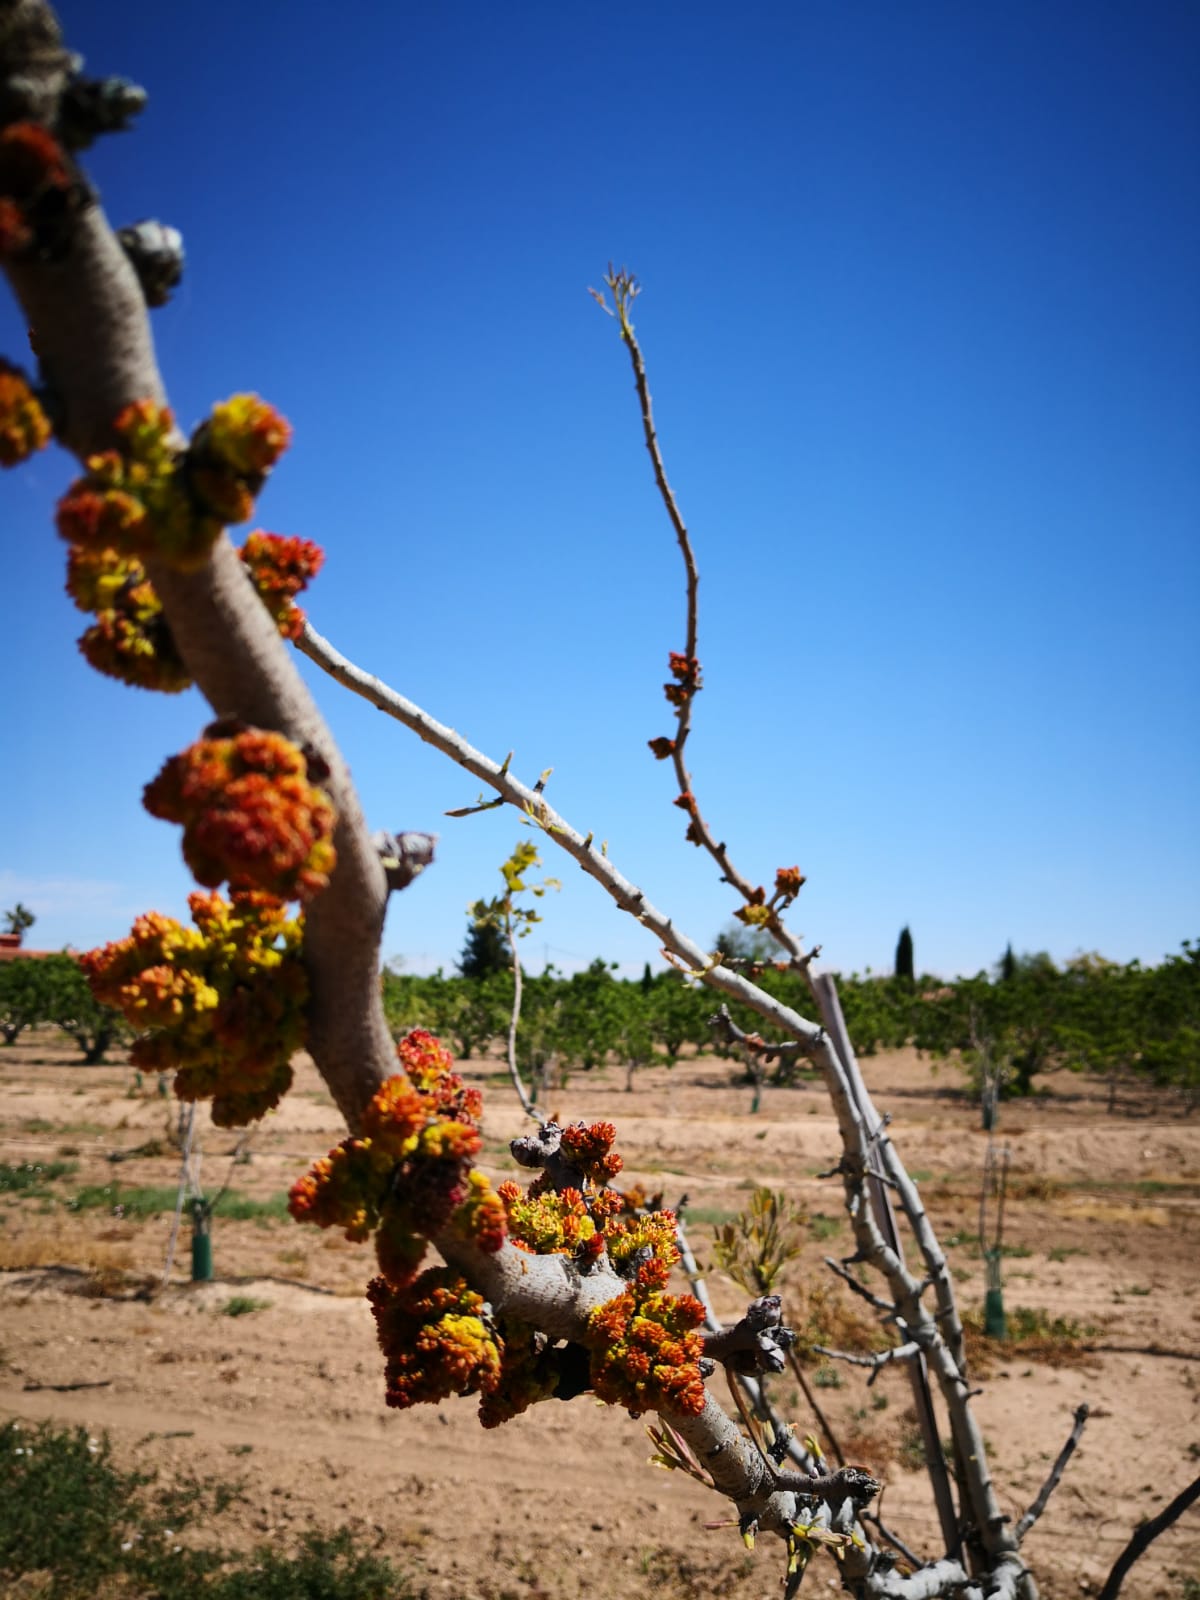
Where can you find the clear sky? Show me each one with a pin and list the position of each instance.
(922, 318)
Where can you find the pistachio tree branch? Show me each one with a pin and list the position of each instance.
(860, 1127)
(1145, 1536)
(88, 318)
(767, 913)
(625, 289)
(1055, 1474)
(898, 1352)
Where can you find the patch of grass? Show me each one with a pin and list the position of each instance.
(921, 1175)
(245, 1208)
(823, 1227)
(911, 1450)
(241, 1305)
(827, 1378)
(1034, 1186)
(125, 1200)
(1033, 1333)
(1062, 1251)
(128, 1200)
(715, 1216)
(78, 1526)
(29, 1178)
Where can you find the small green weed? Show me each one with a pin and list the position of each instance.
(822, 1227)
(245, 1208)
(714, 1216)
(827, 1378)
(911, 1450)
(241, 1305)
(123, 1200)
(29, 1178)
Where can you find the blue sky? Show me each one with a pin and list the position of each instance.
(923, 329)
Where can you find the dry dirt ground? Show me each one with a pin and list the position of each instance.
(1103, 1223)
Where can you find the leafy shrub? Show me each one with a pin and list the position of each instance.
(86, 1529)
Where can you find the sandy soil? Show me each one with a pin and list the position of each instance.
(1103, 1221)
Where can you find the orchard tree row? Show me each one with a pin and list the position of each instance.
(1025, 1019)
(36, 990)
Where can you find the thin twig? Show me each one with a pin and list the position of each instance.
(1145, 1536)
(814, 1405)
(899, 1352)
(514, 1072)
(1056, 1472)
(625, 289)
(894, 1539)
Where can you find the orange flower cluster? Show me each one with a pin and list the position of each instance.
(685, 673)
(133, 500)
(788, 882)
(130, 639)
(231, 454)
(645, 1347)
(24, 426)
(36, 188)
(223, 1003)
(435, 1337)
(149, 497)
(530, 1370)
(408, 1174)
(628, 1236)
(280, 568)
(249, 812)
(589, 1147)
(482, 1216)
(550, 1223)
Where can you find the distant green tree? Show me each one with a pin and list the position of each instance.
(19, 920)
(1015, 1028)
(24, 996)
(677, 1014)
(486, 951)
(647, 979)
(71, 1005)
(904, 956)
(746, 944)
(1007, 968)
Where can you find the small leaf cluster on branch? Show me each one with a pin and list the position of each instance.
(407, 1179)
(24, 426)
(225, 1003)
(222, 1004)
(40, 192)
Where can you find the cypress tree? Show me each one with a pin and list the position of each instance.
(485, 953)
(904, 956)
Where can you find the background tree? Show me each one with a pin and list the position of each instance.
(25, 996)
(19, 920)
(71, 1005)
(904, 956)
(486, 951)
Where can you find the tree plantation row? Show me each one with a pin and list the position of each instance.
(1126, 1023)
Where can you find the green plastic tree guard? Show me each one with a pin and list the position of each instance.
(202, 1257)
(994, 1325)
